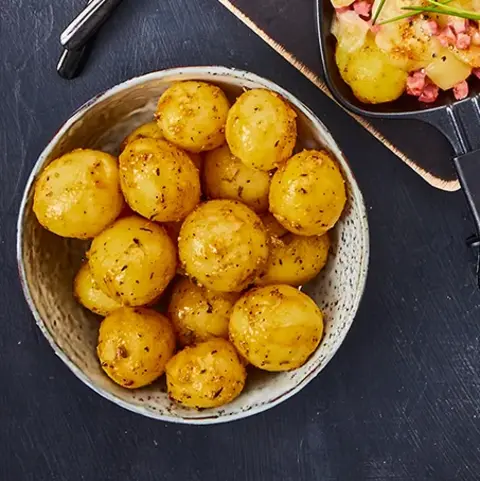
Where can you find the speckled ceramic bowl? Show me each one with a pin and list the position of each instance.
(48, 263)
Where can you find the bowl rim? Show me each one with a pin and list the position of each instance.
(191, 72)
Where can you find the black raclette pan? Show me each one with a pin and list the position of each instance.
(458, 120)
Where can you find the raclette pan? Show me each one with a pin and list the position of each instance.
(458, 120)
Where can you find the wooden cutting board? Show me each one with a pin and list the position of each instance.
(288, 26)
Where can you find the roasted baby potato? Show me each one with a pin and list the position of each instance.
(227, 177)
(307, 194)
(159, 180)
(90, 295)
(134, 346)
(199, 314)
(261, 129)
(223, 245)
(78, 194)
(293, 259)
(370, 73)
(133, 261)
(207, 375)
(152, 131)
(193, 114)
(276, 328)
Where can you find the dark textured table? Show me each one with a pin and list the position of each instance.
(401, 399)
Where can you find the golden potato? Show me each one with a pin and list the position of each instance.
(223, 245)
(78, 194)
(199, 314)
(207, 375)
(272, 226)
(90, 295)
(294, 259)
(134, 346)
(261, 129)
(133, 261)
(276, 328)
(227, 177)
(370, 73)
(193, 114)
(151, 130)
(159, 180)
(307, 194)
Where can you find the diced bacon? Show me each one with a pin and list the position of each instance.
(342, 10)
(431, 27)
(447, 37)
(416, 83)
(460, 91)
(463, 41)
(363, 8)
(429, 94)
(476, 72)
(458, 25)
(374, 28)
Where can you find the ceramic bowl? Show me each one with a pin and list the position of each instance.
(47, 263)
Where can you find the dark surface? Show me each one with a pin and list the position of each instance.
(421, 142)
(401, 399)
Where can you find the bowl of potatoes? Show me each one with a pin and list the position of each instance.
(193, 244)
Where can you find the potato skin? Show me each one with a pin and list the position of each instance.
(223, 245)
(199, 314)
(207, 375)
(370, 73)
(227, 177)
(192, 115)
(78, 194)
(134, 346)
(276, 328)
(308, 194)
(151, 130)
(159, 180)
(261, 129)
(133, 261)
(87, 293)
(295, 260)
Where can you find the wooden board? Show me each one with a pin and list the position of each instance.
(289, 28)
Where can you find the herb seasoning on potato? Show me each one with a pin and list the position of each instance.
(133, 261)
(78, 194)
(134, 346)
(276, 328)
(207, 375)
(308, 194)
(223, 245)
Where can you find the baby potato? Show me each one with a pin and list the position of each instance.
(227, 177)
(261, 129)
(207, 375)
(151, 130)
(272, 226)
(223, 245)
(78, 194)
(133, 261)
(192, 115)
(294, 259)
(199, 314)
(159, 181)
(371, 73)
(307, 194)
(276, 328)
(90, 295)
(134, 346)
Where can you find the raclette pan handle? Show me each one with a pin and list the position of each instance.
(459, 123)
